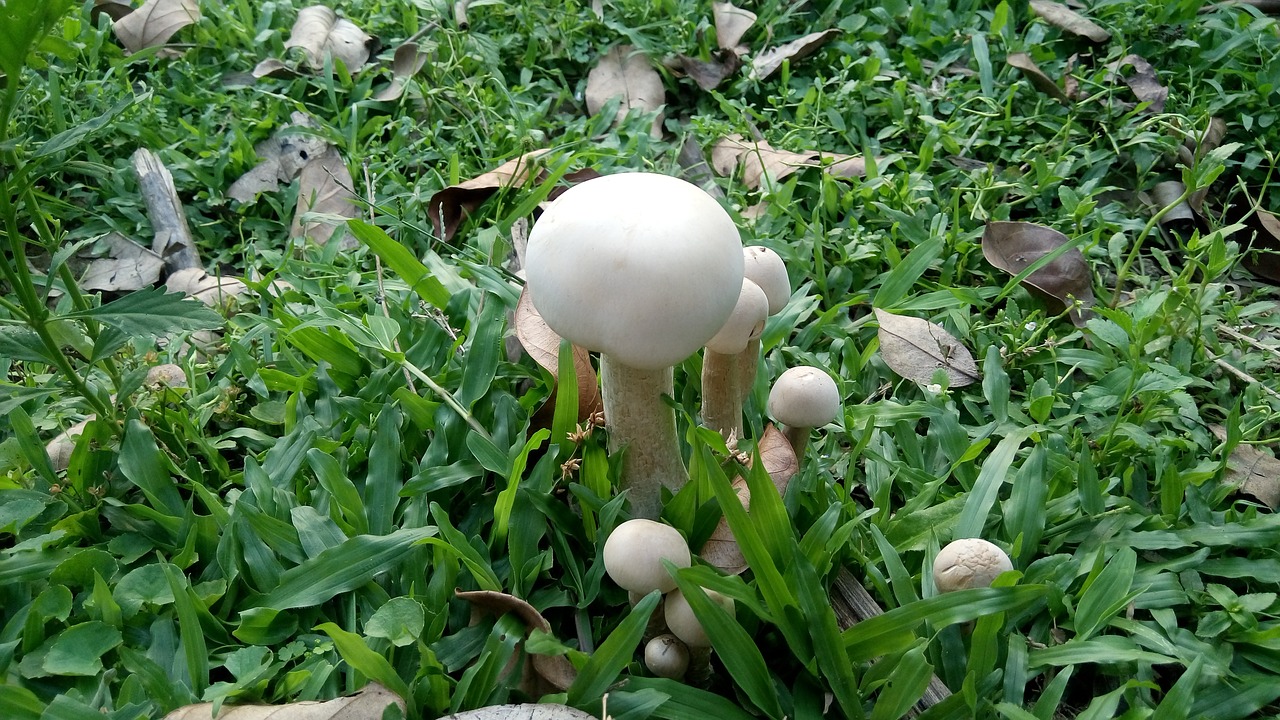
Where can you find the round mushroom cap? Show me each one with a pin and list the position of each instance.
(745, 324)
(968, 563)
(765, 268)
(804, 396)
(642, 267)
(666, 656)
(684, 624)
(634, 552)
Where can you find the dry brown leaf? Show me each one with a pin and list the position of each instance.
(283, 155)
(761, 164)
(543, 345)
(368, 704)
(780, 461)
(126, 266)
(274, 68)
(223, 293)
(155, 22)
(1143, 82)
(114, 9)
(1180, 219)
(449, 206)
(768, 62)
(1253, 471)
(916, 349)
(1263, 257)
(731, 24)
(1014, 246)
(707, 74)
(527, 711)
(325, 188)
(1064, 18)
(625, 72)
(1070, 84)
(320, 33)
(778, 457)
(1036, 76)
(407, 62)
(556, 670)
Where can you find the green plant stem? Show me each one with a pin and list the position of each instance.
(443, 394)
(1123, 272)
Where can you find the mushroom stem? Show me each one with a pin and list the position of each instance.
(748, 362)
(699, 672)
(721, 398)
(799, 439)
(639, 421)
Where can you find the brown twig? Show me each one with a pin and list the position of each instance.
(173, 241)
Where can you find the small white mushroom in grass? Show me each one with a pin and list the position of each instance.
(765, 268)
(685, 626)
(166, 375)
(969, 563)
(634, 552)
(645, 269)
(667, 657)
(803, 398)
(721, 397)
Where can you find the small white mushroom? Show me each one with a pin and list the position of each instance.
(61, 447)
(765, 268)
(166, 375)
(803, 398)
(969, 563)
(634, 552)
(684, 624)
(721, 398)
(667, 657)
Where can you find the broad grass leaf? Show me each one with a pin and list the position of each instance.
(1064, 18)
(770, 61)
(455, 542)
(686, 701)
(916, 348)
(384, 480)
(155, 22)
(151, 312)
(364, 660)
(1101, 650)
(484, 346)
(343, 492)
(986, 489)
(194, 649)
(343, 568)
(1044, 259)
(1108, 594)
(369, 704)
(780, 462)
(625, 72)
(144, 465)
(824, 630)
(78, 650)
(402, 262)
(326, 198)
(613, 654)
(19, 703)
(322, 34)
(1038, 79)
(898, 282)
(1176, 702)
(905, 685)
(72, 137)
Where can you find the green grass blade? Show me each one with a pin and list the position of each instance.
(402, 262)
(614, 654)
(906, 684)
(384, 480)
(986, 489)
(194, 650)
(1107, 594)
(832, 658)
(142, 463)
(365, 661)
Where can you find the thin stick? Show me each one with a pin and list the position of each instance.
(377, 263)
(1244, 376)
(1237, 335)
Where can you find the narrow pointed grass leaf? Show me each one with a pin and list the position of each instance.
(507, 498)
(402, 263)
(685, 701)
(142, 463)
(1229, 700)
(194, 650)
(565, 417)
(341, 490)
(1013, 712)
(372, 665)
(986, 489)
(483, 348)
(30, 446)
(899, 281)
(455, 542)
(614, 654)
(904, 590)
(1102, 650)
(1176, 703)
(69, 138)
(343, 568)
(1050, 699)
(1108, 594)
(906, 684)
(832, 658)
(383, 482)
(894, 631)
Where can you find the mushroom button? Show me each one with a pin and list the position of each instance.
(634, 552)
(969, 563)
(803, 398)
(721, 399)
(765, 268)
(667, 657)
(645, 269)
(684, 624)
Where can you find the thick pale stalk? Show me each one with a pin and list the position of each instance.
(748, 364)
(721, 398)
(643, 425)
(799, 439)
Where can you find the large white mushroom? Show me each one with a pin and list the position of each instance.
(969, 563)
(634, 552)
(645, 269)
(721, 397)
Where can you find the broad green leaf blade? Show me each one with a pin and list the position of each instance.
(1177, 701)
(12, 396)
(685, 701)
(20, 343)
(899, 281)
(144, 465)
(23, 23)
(68, 139)
(906, 684)
(613, 654)
(78, 650)
(483, 348)
(832, 658)
(194, 650)
(454, 541)
(19, 703)
(402, 262)
(986, 489)
(343, 568)
(382, 484)
(1108, 593)
(152, 312)
(365, 661)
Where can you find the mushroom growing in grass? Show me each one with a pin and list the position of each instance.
(634, 552)
(803, 398)
(686, 626)
(765, 268)
(667, 657)
(969, 563)
(645, 269)
(721, 397)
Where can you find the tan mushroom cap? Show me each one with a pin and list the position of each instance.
(634, 552)
(684, 624)
(805, 397)
(745, 324)
(667, 657)
(765, 268)
(969, 563)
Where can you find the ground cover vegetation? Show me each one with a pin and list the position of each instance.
(1037, 338)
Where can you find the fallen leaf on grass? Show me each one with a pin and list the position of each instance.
(1194, 148)
(763, 165)
(114, 9)
(155, 22)
(283, 155)
(222, 293)
(706, 74)
(1014, 246)
(321, 33)
(768, 62)
(1253, 471)
(731, 24)
(407, 62)
(916, 348)
(526, 711)
(274, 68)
(554, 669)
(1068, 20)
(543, 345)
(1143, 82)
(325, 188)
(625, 72)
(126, 266)
(447, 207)
(1263, 256)
(368, 704)
(1036, 76)
(779, 459)
(1180, 219)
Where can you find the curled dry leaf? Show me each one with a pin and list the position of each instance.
(447, 207)
(1252, 471)
(768, 62)
(1143, 82)
(625, 72)
(1037, 78)
(368, 704)
(126, 266)
(325, 188)
(543, 345)
(731, 24)
(1068, 20)
(114, 9)
(283, 155)
(1263, 257)
(707, 74)
(526, 711)
(218, 292)
(762, 165)
(1014, 246)
(1180, 219)
(721, 549)
(553, 669)
(155, 22)
(916, 348)
(274, 68)
(407, 62)
(321, 33)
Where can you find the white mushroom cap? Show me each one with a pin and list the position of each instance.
(168, 375)
(745, 324)
(667, 657)
(968, 563)
(634, 552)
(642, 267)
(765, 268)
(805, 397)
(684, 624)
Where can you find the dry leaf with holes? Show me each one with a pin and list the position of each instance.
(154, 23)
(127, 266)
(527, 711)
(324, 190)
(321, 33)
(543, 345)
(407, 62)
(1015, 246)
(916, 349)
(368, 704)
(1068, 20)
(1254, 472)
(282, 157)
(553, 670)
(1143, 82)
(779, 459)
(624, 72)
(1032, 72)
(770, 61)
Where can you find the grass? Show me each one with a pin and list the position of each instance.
(293, 524)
